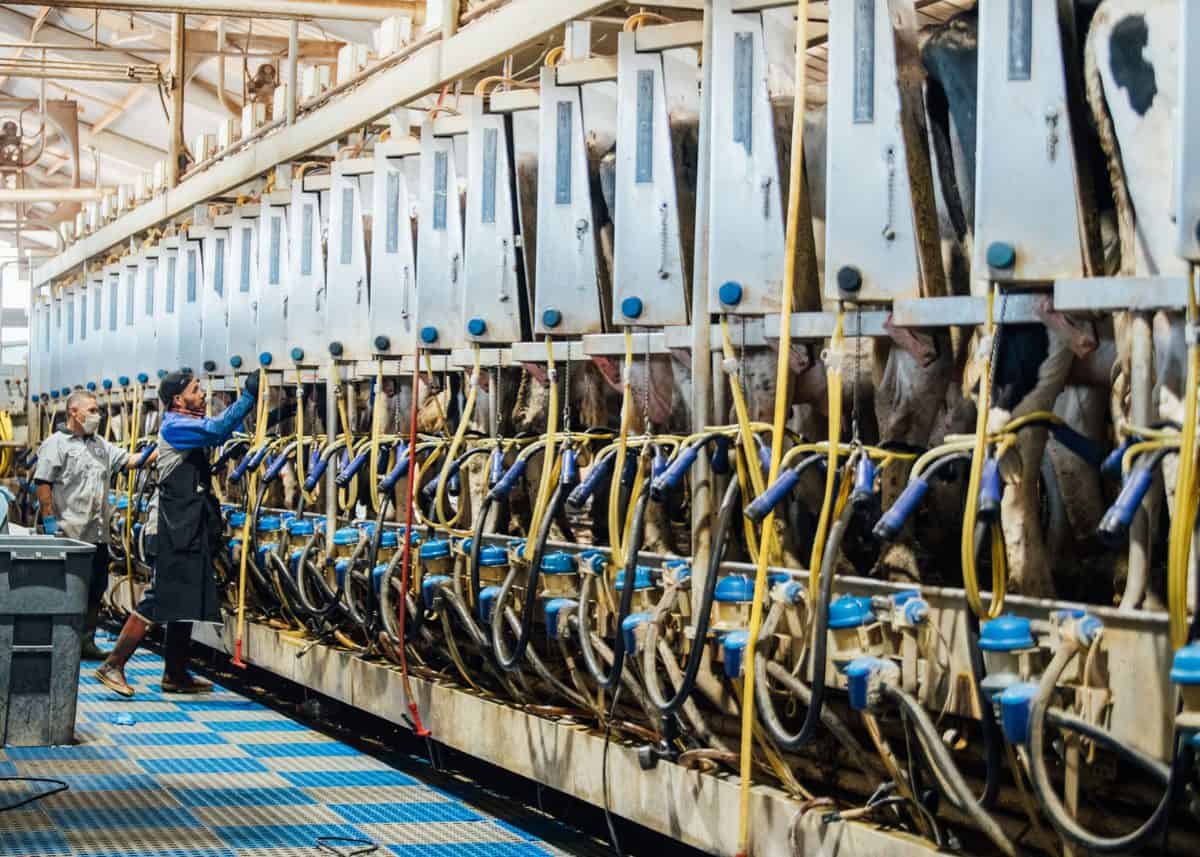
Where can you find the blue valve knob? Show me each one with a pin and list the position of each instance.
(336, 349)
(1001, 255)
(143, 378)
(429, 334)
(236, 361)
(382, 343)
(265, 358)
(730, 293)
(210, 366)
(106, 383)
(476, 327)
(632, 307)
(91, 385)
(297, 353)
(551, 318)
(162, 373)
(123, 380)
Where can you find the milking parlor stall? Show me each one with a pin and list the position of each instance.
(771, 424)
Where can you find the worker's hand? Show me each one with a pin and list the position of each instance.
(50, 525)
(251, 387)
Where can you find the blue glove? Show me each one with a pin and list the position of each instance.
(50, 525)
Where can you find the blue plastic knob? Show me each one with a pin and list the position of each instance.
(106, 383)
(265, 358)
(1006, 633)
(1001, 255)
(730, 293)
(297, 354)
(476, 327)
(335, 348)
(143, 378)
(382, 343)
(429, 334)
(236, 361)
(91, 385)
(551, 318)
(210, 366)
(162, 373)
(632, 307)
(123, 380)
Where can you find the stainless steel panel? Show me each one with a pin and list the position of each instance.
(568, 269)
(271, 322)
(304, 287)
(440, 255)
(494, 284)
(1187, 135)
(189, 313)
(1025, 182)
(214, 301)
(648, 247)
(348, 305)
(746, 217)
(393, 259)
(243, 300)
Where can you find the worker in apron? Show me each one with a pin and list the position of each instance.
(75, 467)
(187, 533)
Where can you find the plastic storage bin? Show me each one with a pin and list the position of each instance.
(43, 597)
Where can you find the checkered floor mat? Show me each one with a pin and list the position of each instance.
(219, 775)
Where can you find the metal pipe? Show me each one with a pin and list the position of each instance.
(1141, 413)
(296, 10)
(702, 488)
(450, 13)
(31, 195)
(292, 78)
(175, 135)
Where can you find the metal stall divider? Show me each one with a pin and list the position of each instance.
(393, 311)
(440, 259)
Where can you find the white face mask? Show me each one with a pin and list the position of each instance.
(90, 422)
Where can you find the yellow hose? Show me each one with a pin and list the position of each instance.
(456, 444)
(833, 383)
(260, 433)
(378, 410)
(971, 513)
(127, 539)
(795, 188)
(615, 530)
(348, 496)
(1179, 545)
(547, 480)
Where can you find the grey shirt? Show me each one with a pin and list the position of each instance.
(79, 469)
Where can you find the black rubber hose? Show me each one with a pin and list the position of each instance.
(477, 545)
(609, 680)
(789, 741)
(993, 740)
(959, 793)
(1052, 807)
(510, 660)
(730, 511)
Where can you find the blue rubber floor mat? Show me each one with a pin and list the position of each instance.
(219, 775)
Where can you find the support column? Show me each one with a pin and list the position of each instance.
(291, 79)
(175, 132)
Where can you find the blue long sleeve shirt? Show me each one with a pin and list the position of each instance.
(185, 432)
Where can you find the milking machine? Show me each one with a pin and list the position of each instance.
(446, 308)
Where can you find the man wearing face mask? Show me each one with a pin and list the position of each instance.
(183, 533)
(74, 469)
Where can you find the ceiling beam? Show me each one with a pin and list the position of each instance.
(200, 93)
(291, 10)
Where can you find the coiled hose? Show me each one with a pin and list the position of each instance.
(1067, 827)
(790, 741)
(731, 505)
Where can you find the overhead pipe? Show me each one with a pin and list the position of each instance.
(295, 10)
(33, 195)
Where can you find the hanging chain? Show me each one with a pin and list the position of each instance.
(889, 231)
(566, 408)
(854, 433)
